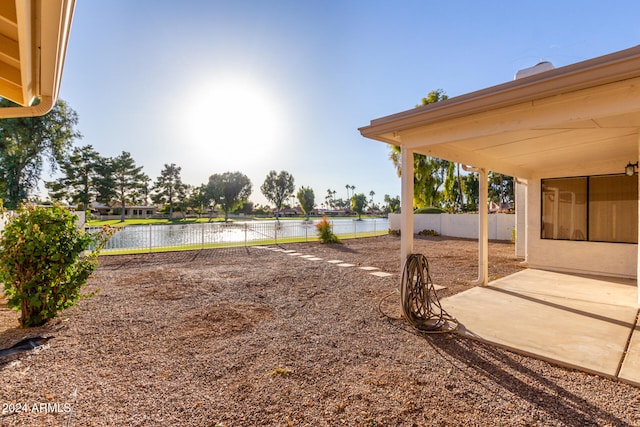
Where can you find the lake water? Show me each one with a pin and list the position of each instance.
(149, 237)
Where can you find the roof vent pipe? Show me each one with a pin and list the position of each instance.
(540, 67)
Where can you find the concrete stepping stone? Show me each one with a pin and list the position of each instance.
(381, 274)
(334, 261)
(369, 268)
(346, 264)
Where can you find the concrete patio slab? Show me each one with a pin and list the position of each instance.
(630, 370)
(576, 321)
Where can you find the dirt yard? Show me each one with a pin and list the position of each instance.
(244, 337)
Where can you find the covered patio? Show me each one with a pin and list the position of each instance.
(577, 305)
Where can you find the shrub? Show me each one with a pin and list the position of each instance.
(325, 233)
(430, 210)
(42, 262)
(428, 233)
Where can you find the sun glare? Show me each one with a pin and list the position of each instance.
(235, 117)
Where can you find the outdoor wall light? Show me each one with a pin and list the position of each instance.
(630, 169)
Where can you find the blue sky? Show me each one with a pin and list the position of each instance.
(251, 86)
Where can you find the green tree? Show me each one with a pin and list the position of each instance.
(145, 190)
(78, 173)
(331, 198)
(26, 143)
(358, 204)
(169, 187)
(450, 190)
(501, 190)
(393, 203)
(43, 263)
(198, 199)
(120, 180)
(105, 185)
(470, 188)
(430, 173)
(229, 190)
(306, 198)
(433, 96)
(277, 188)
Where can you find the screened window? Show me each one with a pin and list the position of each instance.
(564, 209)
(596, 208)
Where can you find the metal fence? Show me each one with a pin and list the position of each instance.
(158, 238)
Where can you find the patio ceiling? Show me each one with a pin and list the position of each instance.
(33, 42)
(585, 115)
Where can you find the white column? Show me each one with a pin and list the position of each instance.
(483, 228)
(521, 218)
(406, 206)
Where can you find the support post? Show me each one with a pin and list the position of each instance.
(406, 207)
(245, 234)
(483, 225)
(483, 228)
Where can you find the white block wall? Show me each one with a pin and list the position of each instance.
(459, 225)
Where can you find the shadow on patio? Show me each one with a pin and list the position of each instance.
(583, 322)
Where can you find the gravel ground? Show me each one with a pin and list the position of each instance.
(242, 337)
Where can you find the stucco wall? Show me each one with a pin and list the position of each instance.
(609, 259)
(459, 225)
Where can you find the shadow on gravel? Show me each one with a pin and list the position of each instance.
(501, 369)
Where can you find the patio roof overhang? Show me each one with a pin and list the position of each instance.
(586, 114)
(33, 44)
(574, 120)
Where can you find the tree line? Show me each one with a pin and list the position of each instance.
(439, 183)
(28, 144)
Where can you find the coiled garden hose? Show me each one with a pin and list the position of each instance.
(420, 304)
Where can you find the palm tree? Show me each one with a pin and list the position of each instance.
(329, 198)
(372, 193)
